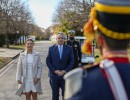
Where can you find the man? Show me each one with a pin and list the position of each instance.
(59, 60)
(108, 80)
(76, 48)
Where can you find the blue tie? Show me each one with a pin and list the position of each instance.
(60, 51)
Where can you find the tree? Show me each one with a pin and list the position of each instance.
(15, 17)
(72, 14)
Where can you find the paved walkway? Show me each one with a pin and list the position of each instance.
(4, 52)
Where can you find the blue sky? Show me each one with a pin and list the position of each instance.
(42, 11)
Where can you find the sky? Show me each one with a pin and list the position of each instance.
(42, 11)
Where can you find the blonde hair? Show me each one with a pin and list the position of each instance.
(29, 39)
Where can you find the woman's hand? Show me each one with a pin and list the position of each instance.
(36, 80)
(19, 82)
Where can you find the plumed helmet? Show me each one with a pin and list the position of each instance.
(111, 18)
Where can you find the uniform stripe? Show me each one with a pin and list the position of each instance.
(114, 80)
(112, 9)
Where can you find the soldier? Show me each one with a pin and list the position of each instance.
(108, 80)
(76, 48)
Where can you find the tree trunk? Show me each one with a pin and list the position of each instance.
(6, 40)
(23, 38)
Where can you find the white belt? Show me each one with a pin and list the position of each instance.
(114, 79)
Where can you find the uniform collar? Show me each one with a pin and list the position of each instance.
(117, 56)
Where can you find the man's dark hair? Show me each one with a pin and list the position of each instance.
(115, 44)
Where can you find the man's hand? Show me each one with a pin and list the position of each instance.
(60, 72)
(57, 72)
(36, 80)
(63, 72)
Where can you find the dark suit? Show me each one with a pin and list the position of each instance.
(77, 52)
(54, 63)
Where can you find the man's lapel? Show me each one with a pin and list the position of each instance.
(57, 51)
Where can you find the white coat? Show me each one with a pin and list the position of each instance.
(37, 69)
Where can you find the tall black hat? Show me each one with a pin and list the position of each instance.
(111, 17)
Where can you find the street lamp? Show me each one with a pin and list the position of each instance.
(81, 30)
(17, 37)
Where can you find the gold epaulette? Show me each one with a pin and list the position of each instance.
(90, 66)
(73, 82)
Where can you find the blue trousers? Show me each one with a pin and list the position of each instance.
(56, 84)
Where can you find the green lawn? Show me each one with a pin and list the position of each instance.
(129, 53)
(16, 46)
(97, 52)
(100, 58)
(4, 60)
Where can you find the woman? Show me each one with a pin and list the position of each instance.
(29, 71)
